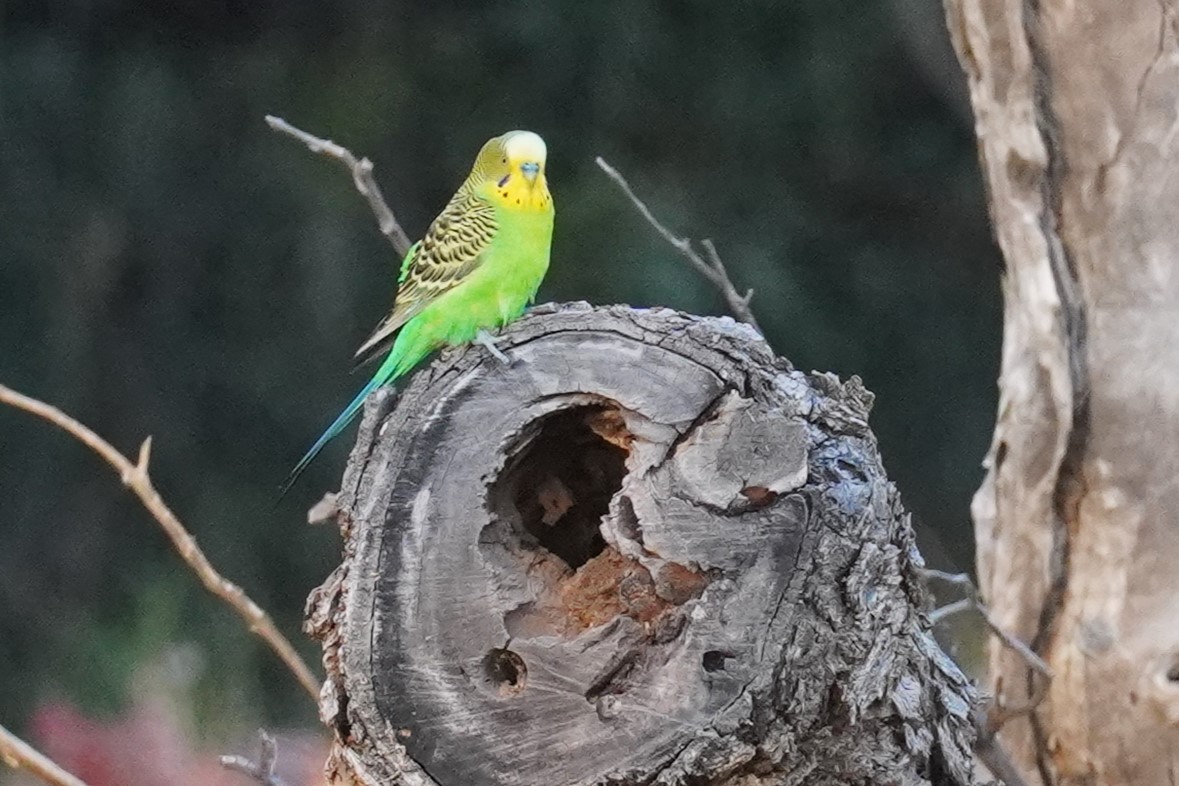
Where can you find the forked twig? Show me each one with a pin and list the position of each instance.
(19, 755)
(362, 177)
(135, 477)
(987, 723)
(711, 268)
(972, 600)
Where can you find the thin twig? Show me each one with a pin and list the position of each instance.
(987, 723)
(711, 268)
(972, 600)
(950, 609)
(997, 759)
(135, 477)
(362, 177)
(19, 755)
(999, 713)
(960, 579)
(261, 771)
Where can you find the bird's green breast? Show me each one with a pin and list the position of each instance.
(499, 290)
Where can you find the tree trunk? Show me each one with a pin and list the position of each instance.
(647, 552)
(1077, 114)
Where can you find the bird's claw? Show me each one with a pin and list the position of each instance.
(485, 340)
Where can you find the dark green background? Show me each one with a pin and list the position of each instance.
(168, 266)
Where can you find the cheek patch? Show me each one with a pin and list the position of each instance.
(504, 181)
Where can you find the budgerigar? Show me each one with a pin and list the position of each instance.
(477, 267)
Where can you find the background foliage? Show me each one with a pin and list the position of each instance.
(169, 266)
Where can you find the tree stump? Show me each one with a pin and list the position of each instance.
(646, 552)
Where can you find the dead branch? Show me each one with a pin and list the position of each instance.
(992, 753)
(135, 477)
(972, 600)
(362, 177)
(987, 724)
(263, 770)
(711, 268)
(19, 755)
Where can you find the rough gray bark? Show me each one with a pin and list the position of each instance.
(647, 552)
(1077, 112)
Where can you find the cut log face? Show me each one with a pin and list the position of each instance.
(645, 549)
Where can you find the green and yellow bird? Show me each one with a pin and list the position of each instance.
(478, 267)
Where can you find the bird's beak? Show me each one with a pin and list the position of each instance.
(530, 169)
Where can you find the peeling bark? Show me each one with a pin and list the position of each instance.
(1077, 113)
(647, 552)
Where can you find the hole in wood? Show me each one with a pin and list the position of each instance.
(548, 505)
(504, 672)
(562, 482)
(1173, 673)
(714, 660)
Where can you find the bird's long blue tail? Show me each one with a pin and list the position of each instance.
(338, 425)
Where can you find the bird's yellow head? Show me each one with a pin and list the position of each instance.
(510, 172)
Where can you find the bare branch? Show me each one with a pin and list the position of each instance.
(997, 759)
(972, 600)
(19, 755)
(998, 712)
(959, 579)
(263, 770)
(950, 609)
(712, 269)
(135, 477)
(987, 724)
(362, 177)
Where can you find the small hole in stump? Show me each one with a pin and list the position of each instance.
(504, 672)
(1173, 673)
(714, 660)
(562, 483)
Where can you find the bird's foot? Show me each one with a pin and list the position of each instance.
(487, 341)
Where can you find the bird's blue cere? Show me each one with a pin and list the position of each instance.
(530, 169)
